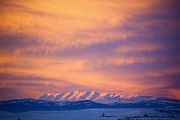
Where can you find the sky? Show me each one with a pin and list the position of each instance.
(129, 47)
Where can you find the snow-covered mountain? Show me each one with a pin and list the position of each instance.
(94, 96)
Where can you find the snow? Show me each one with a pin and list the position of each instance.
(66, 95)
(74, 95)
(83, 95)
(47, 96)
(93, 95)
(88, 114)
(58, 96)
(96, 97)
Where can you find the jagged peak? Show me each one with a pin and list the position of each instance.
(102, 97)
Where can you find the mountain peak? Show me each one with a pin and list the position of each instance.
(101, 97)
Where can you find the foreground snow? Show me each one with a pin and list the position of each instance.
(92, 114)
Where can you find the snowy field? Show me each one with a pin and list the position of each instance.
(96, 114)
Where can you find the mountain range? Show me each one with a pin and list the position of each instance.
(99, 97)
(75, 100)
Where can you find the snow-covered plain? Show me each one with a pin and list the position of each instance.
(90, 114)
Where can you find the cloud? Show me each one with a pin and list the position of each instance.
(62, 25)
(88, 45)
(20, 76)
(141, 47)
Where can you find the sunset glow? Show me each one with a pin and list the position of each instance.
(129, 47)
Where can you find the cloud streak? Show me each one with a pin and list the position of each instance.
(88, 45)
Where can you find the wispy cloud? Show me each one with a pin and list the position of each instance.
(88, 45)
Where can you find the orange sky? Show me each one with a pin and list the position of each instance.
(129, 47)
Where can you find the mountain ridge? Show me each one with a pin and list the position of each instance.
(100, 97)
